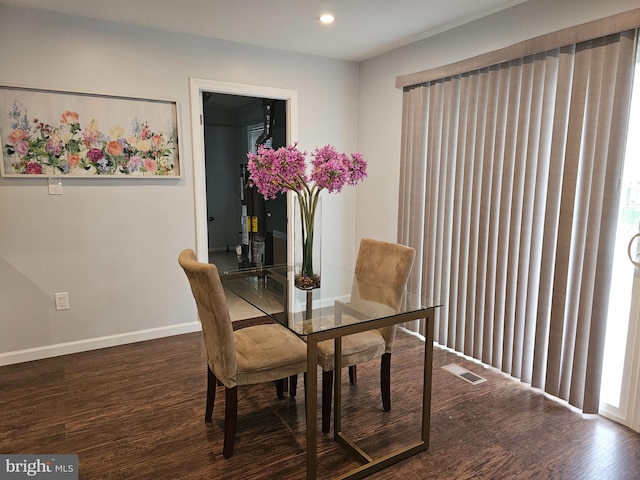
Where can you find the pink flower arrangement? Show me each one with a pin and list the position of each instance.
(276, 171)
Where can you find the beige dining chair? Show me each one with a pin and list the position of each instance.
(254, 354)
(381, 275)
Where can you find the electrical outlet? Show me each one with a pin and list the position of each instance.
(62, 300)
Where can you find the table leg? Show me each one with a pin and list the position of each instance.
(337, 386)
(426, 385)
(311, 396)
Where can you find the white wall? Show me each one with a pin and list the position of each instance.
(113, 244)
(381, 103)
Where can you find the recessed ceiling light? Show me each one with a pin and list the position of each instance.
(327, 18)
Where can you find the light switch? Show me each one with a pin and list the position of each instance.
(55, 186)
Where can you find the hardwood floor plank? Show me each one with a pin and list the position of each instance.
(136, 412)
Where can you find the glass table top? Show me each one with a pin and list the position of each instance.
(342, 299)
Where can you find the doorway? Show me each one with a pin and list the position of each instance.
(198, 88)
(243, 229)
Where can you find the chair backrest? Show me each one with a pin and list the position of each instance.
(382, 272)
(214, 316)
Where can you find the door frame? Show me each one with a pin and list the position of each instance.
(197, 86)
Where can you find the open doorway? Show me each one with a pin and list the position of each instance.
(200, 87)
(243, 230)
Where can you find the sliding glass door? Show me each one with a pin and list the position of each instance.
(620, 394)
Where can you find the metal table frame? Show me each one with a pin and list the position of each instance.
(370, 465)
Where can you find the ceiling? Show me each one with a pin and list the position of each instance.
(363, 28)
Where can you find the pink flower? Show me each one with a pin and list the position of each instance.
(33, 168)
(53, 146)
(276, 171)
(95, 154)
(21, 147)
(90, 137)
(135, 163)
(150, 164)
(357, 169)
(329, 169)
(156, 139)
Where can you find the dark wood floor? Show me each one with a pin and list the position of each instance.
(136, 412)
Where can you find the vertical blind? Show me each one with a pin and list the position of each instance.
(509, 192)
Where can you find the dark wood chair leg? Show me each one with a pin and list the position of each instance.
(353, 375)
(385, 381)
(327, 393)
(293, 385)
(211, 394)
(305, 393)
(280, 388)
(230, 420)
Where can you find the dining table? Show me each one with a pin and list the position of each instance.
(342, 305)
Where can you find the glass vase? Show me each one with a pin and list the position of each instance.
(307, 242)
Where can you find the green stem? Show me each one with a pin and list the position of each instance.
(308, 201)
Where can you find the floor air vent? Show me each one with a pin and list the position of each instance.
(464, 374)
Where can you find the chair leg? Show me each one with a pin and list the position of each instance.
(304, 376)
(280, 388)
(293, 385)
(230, 420)
(353, 375)
(327, 393)
(385, 381)
(211, 394)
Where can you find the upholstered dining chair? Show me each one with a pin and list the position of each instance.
(381, 275)
(254, 354)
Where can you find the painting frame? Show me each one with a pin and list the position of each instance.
(56, 133)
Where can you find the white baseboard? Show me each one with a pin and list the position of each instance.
(66, 348)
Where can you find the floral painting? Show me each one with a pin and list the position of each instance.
(68, 134)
